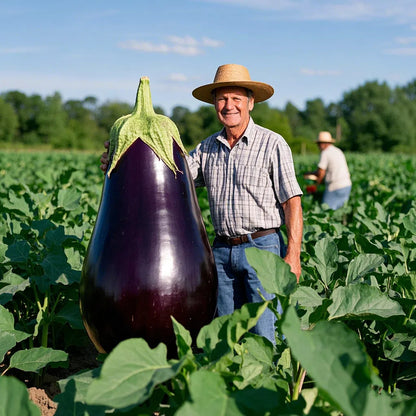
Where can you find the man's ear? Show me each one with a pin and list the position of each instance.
(250, 104)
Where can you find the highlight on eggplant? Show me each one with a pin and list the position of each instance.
(149, 256)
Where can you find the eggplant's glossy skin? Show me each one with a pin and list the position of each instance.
(149, 257)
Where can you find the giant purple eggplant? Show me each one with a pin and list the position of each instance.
(149, 256)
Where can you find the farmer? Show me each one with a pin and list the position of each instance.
(333, 168)
(252, 190)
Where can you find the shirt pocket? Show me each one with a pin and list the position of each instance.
(251, 178)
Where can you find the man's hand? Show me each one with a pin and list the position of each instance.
(104, 158)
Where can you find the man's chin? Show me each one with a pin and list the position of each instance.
(231, 121)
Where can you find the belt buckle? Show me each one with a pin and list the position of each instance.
(233, 241)
(236, 241)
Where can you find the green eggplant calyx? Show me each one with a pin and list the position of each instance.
(156, 130)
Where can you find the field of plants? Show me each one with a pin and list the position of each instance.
(346, 341)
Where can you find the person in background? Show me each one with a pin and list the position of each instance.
(333, 168)
(252, 190)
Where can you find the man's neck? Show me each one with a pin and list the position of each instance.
(234, 134)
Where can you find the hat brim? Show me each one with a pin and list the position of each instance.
(325, 141)
(261, 91)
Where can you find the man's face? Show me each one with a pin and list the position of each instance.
(233, 106)
(323, 146)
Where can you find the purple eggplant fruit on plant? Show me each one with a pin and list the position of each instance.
(149, 256)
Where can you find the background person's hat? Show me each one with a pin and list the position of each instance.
(233, 75)
(325, 137)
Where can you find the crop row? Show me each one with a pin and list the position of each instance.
(349, 326)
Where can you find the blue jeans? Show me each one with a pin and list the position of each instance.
(238, 282)
(336, 199)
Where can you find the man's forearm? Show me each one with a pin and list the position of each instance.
(294, 227)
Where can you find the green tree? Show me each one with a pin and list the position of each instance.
(8, 122)
(197, 126)
(210, 123)
(272, 119)
(178, 116)
(295, 118)
(83, 124)
(378, 118)
(109, 112)
(407, 98)
(315, 116)
(26, 109)
(52, 123)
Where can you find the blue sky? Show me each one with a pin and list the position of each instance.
(305, 49)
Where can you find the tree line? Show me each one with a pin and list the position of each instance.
(371, 117)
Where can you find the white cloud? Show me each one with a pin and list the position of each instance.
(406, 40)
(402, 11)
(20, 50)
(404, 47)
(401, 51)
(178, 45)
(186, 41)
(178, 77)
(212, 43)
(319, 72)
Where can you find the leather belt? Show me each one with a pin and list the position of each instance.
(235, 241)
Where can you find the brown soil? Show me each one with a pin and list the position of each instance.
(43, 401)
(42, 396)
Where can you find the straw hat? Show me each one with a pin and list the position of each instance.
(325, 137)
(232, 75)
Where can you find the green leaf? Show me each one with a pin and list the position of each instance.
(71, 314)
(337, 362)
(56, 237)
(399, 347)
(36, 358)
(326, 258)
(242, 320)
(262, 401)
(257, 362)
(13, 284)
(368, 246)
(260, 348)
(14, 399)
(71, 402)
(17, 203)
(183, 338)
(130, 373)
(209, 397)
(361, 265)
(273, 272)
(360, 301)
(382, 215)
(68, 199)
(306, 297)
(409, 222)
(407, 285)
(18, 252)
(7, 342)
(218, 338)
(212, 337)
(82, 382)
(56, 270)
(3, 249)
(7, 325)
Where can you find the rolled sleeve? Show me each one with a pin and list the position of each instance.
(284, 176)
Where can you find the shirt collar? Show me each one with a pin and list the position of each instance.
(247, 136)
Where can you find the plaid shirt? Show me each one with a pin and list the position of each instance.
(246, 184)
